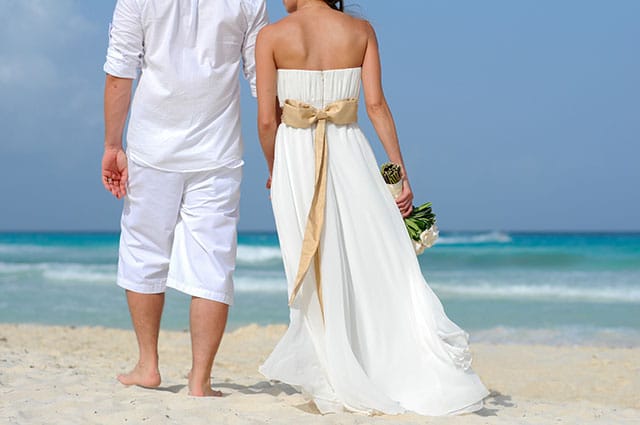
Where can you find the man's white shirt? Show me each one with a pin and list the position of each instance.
(187, 54)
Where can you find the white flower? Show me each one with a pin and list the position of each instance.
(429, 236)
(418, 247)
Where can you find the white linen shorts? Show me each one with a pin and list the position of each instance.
(178, 229)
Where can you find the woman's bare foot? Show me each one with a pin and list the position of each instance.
(141, 376)
(202, 390)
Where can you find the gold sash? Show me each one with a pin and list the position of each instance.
(301, 115)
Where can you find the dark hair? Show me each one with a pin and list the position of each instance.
(336, 4)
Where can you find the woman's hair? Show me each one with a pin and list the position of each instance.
(336, 4)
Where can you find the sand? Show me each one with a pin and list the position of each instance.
(66, 375)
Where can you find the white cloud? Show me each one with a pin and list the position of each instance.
(27, 70)
(8, 72)
(50, 75)
(42, 24)
(35, 33)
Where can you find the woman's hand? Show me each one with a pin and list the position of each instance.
(405, 200)
(268, 185)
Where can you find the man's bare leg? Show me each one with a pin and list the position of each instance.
(208, 320)
(146, 311)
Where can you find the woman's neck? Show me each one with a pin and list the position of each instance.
(307, 4)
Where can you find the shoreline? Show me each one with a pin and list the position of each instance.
(559, 336)
(65, 374)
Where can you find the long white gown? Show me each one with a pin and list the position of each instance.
(385, 344)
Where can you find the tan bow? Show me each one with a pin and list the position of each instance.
(301, 115)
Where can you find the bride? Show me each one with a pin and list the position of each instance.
(366, 333)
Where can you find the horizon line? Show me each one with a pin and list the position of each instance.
(273, 231)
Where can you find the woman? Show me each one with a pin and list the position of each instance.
(366, 333)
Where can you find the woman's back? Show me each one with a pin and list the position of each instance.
(319, 38)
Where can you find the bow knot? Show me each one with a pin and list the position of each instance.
(302, 115)
(322, 115)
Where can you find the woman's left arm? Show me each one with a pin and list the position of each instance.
(381, 118)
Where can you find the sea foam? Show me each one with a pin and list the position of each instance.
(481, 238)
(557, 292)
(258, 255)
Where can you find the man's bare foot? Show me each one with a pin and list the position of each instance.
(203, 390)
(143, 377)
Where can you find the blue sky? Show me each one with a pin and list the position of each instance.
(512, 115)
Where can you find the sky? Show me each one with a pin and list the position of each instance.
(512, 115)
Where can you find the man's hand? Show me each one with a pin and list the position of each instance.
(115, 172)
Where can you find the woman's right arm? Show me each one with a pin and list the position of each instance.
(266, 86)
(381, 118)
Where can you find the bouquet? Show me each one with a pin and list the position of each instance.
(421, 224)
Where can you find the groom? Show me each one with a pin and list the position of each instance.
(180, 177)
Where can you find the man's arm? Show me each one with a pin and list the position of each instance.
(257, 19)
(124, 60)
(117, 95)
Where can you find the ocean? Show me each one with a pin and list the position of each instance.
(558, 289)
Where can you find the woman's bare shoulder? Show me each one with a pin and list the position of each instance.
(363, 25)
(279, 28)
(359, 26)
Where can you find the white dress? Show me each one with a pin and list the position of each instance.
(382, 343)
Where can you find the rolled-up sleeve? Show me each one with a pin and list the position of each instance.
(256, 18)
(126, 41)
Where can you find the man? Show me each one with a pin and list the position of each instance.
(180, 176)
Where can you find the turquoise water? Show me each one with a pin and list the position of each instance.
(543, 288)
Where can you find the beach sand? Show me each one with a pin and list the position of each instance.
(66, 375)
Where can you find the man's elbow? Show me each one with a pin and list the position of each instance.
(115, 82)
